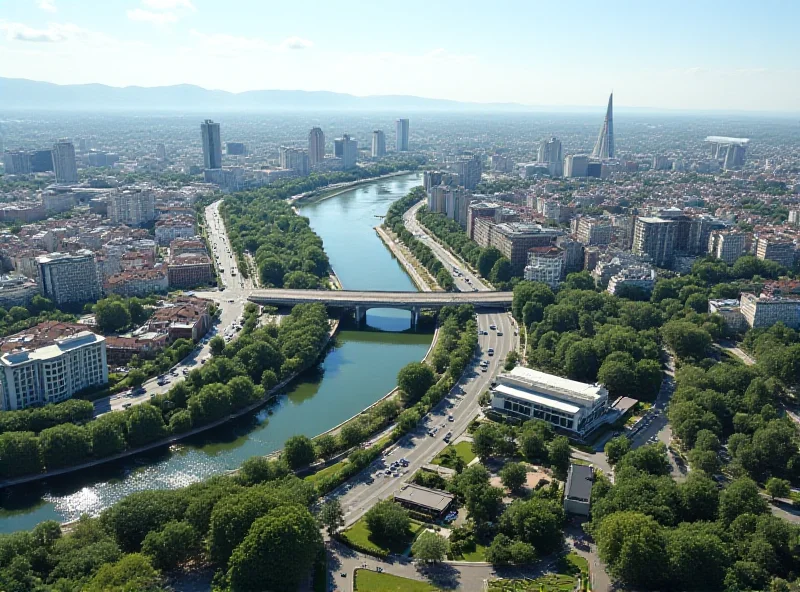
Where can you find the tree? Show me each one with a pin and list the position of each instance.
(430, 547)
(325, 445)
(686, 339)
(580, 361)
(212, 402)
(704, 460)
(132, 518)
(619, 377)
(579, 280)
(258, 469)
(217, 345)
(777, 488)
(145, 425)
(19, 454)
(536, 521)
(616, 448)
(740, 497)
(699, 497)
(331, 515)
(107, 434)
(136, 378)
(112, 315)
(415, 379)
(387, 521)
(648, 379)
(486, 261)
(513, 476)
(172, 545)
(560, 453)
(277, 552)
(180, 422)
(64, 445)
(630, 544)
(698, 558)
(243, 392)
(499, 552)
(298, 451)
(131, 572)
(501, 271)
(18, 313)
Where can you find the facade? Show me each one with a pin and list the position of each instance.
(212, 145)
(190, 270)
(656, 238)
(169, 229)
(550, 154)
(730, 311)
(727, 245)
(730, 151)
(236, 148)
(69, 277)
(64, 164)
(316, 146)
(573, 254)
(41, 161)
(480, 210)
(120, 350)
(16, 162)
(640, 277)
(431, 502)
(347, 149)
(451, 201)
(778, 249)
(138, 282)
(16, 290)
(794, 216)
(184, 318)
(514, 239)
(468, 169)
(378, 144)
(578, 490)
(604, 147)
(576, 165)
(52, 373)
(295, 159)
(401, 139)
(574, 406)
(764, 310)
(431, 179)
(546, 265)
(132, 207)
(594, 231)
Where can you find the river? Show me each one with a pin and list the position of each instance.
(358, 369)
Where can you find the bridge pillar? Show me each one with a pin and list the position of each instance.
(414, 317)
(361, 315)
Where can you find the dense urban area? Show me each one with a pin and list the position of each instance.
(610, 306)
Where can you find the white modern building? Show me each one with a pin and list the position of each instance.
(69, 277)
(132, 207)
(52, 373)
(545, 264)
(525, 393)
(64, 164)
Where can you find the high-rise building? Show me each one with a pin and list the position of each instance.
(576, 165)
(132, 207)
(161, 151)
(594, 231)
(212, 145)
(731, 151)
(236, 148)
(779, 249)
(545, 264)
(41, 161)
(655, 237)
(69, 277)
(316, 146)
(604, 147)
(347, 149)
(727, 245)
(550, 153)
(378, 144)
(469, 168)
(401, 141)
(294, 159)
(64, 162)
(16, 162)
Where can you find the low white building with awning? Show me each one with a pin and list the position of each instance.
(525, 393)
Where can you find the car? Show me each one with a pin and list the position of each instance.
(387, 472)
(450, 417)
(490, 351)
(370, 481)
(126, 406)
(483, 369)
(493, 327)
(499, 333)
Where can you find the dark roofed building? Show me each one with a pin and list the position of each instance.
(431, 502)
(578, 490)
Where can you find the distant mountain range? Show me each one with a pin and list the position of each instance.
(19, 93)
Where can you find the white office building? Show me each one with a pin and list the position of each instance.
(53, 373)
(525, 393)
(64, 163)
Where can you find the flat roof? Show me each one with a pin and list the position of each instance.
(434, 499)
(727, 140)
(50, 352)
(573, 388)
(580, 481)
(534, 398)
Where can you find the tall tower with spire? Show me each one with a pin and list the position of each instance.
(604, 147)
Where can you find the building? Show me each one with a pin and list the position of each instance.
(656, 238)
(69, 278)
(16, 162)
(781, 250)
(570, 405)
(190, 270)
(378, 144)
(316, 146)
(594, 231)
(294, 159)
(431, 502)
(41, 161)
(212, 145)
(661, 163)
(604, 147)
(468, 168)
(431, 179)
(236, 148)
(578, 489)
(730, 151)
(480, 209)
(727, 245)
(573, 254)
(52, 373)
(576, 165)
(401, 139)
(731, 312)
(146, 346)
(132, 207)
(16, 290)
(184, 318)
(161, 151)
(514, 239)
(546, 265)
(347, 149)
(550, 154)
(191, 245)
(765, 310)
(502, 163)
(64, 164)
(636, 277)
(138, 282)
(168, 229)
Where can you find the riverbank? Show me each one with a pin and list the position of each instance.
(424, 283)
(313, 197)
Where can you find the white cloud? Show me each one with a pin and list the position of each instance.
(296, 43)
(47, 5)
(168, 4)
(54, 33)
(155, 18)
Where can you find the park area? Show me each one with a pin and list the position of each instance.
(450, 455)
(359, 537)
(569, 567)
(370, 581)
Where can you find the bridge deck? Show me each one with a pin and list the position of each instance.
(348, 298)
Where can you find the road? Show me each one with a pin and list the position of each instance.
(231, 300)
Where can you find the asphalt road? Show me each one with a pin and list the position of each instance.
(231, 300)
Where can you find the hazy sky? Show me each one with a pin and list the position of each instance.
(679, 54)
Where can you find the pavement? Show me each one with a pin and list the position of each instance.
(231, 300)
(399, 250)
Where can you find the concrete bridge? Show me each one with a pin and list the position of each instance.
(362, 301)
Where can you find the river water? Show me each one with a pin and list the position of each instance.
(358, 369)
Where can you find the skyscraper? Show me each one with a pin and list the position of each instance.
(161, 151)
(550, 153)
(64, 162)
(469, 168)
(604, 148)
(401, 141)
(349, 152)
(316, 146)
(212, 145)
(378, 144)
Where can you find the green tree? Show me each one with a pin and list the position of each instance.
(136, 378)
(415, 379)
(145, 425)
(686, 339)
(180, 422)
(616, 448)
(777, 488)
(618, 376)
(698, 558)
(172, 545)
(536, 521)
(107, 434)
(501, 271)
(132, 518)
(64, 445)
(325, 445)
(388, 521)
(298, 451)
(430, 547)
(559, 454)
(630, 544)
(112, 315)
(217, 345)
(19, 454)
(331, 515)
(513, 476)
(131, 572)
(486, 261)
(18, 313)
(581, 361)
(740, 497)
(212, 402)
(499, 552)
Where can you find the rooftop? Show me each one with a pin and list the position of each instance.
(556, 384)
(538, 399)
(579, 482)
(433, 499)
(727, 140)
(49, 352)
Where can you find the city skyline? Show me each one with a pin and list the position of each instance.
(668, 63)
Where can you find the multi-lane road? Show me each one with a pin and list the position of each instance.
(231, 298)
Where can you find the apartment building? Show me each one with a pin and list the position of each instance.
(69, 278)
(514, 239)
(168, 229)
(779, 249)
(766, 310)
(727, 245)
(132, 207)
(17, 290)
(138, 282)
(190, 270)
(546, 265)
(656, 238)
(594, 231)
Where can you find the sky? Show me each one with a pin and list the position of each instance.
(727, 55)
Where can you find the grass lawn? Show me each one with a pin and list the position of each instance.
(370, 581)
(359, 535)
(327, 471)
(463, 450)
(477, 553)
(564, 581)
